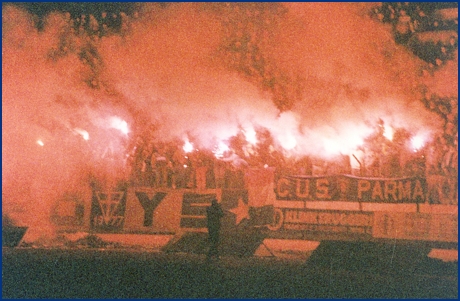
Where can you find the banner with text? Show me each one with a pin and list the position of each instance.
(416, 226)
(353, 189)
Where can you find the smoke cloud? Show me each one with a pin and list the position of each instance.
(169, 67)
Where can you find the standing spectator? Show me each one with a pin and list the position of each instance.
(146, 169)
(201, 176)
(213, 213)
(161, 166)
(219, 173)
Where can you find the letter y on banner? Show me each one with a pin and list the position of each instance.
(149, 205)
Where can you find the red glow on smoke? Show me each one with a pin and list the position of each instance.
(70, 115)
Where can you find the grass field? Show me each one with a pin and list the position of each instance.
(334, 270)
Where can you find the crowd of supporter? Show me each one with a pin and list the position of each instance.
(167, 164)
(247, 31)
(418, 16)
(436, 54)
(410, 19)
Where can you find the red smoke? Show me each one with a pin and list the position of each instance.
(168, 67)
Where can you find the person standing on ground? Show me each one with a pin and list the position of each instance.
(214, 213)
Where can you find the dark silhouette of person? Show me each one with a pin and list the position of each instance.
(214, 213)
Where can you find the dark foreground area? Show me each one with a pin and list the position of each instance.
(334, 270)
